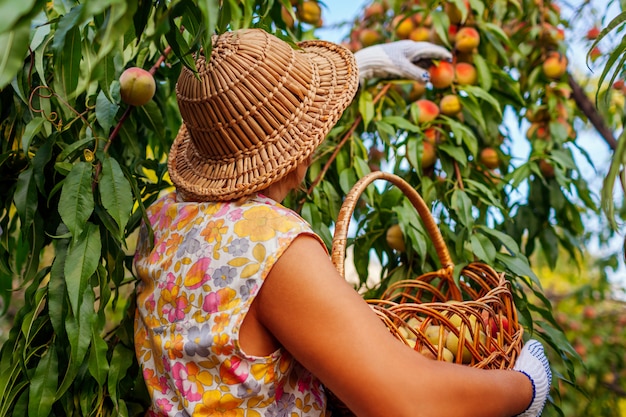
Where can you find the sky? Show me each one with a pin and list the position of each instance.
(338, 12)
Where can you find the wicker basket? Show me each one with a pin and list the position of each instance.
(472, 321)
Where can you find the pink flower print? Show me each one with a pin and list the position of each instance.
(219, 300)
(182, 374)
(235, 215)
(197, 274)
(163, 404)
(211, 303)
(178, 312)
(233, 371)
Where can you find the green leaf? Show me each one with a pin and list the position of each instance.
(32, 128)
(505, 239)
(485, 77)
(26, 196)
(79, 327)
(366, 108)
(115, 192)
(67, 65)
(462, 205)
(56, 288)
(12, 12)
(43, 384)
(98, 364)
(210, 14)
(152, 117)
(121, 360)
(402, 123)
(76, 203)
(518, 266)
(14, 46)
(483, 248)
(105, 112)
(456, 152)
(82, 260)
(482, 94)
(40, 160)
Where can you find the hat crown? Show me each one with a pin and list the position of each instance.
(247, 94)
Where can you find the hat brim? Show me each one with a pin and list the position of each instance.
(200, 178)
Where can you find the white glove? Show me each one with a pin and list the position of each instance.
(399, 59)
(533, 363)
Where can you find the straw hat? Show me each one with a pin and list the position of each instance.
(259, 108)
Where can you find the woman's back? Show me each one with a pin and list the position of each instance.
(198, 281)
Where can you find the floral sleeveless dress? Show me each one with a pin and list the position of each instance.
(198, 280)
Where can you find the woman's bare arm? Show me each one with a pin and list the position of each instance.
(328, 328)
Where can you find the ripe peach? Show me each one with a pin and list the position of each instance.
(593, 33)
(395, 238)
(427, 110)
(454, 13)
(595, 53)
(402, 26)
(467, 39)
(369, 37)
(452, 31)
(417, 90)
(374, 11)
(287, 17)
(546, 169)
(137, 86)
(430, 135)
(465, 73)
(429, 155)
(309, 11)
(450, 104)
(538, 130)
(442, 74)
(452, 344)
(554, 65)
(489, 158)
(420, 34)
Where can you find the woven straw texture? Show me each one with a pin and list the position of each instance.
(255, 110)
(472, 322)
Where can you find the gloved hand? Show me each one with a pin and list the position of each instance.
(399, 59)
(533, 363)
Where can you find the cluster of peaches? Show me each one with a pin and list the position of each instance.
(454, 336)
(551, 114)
(462, 38)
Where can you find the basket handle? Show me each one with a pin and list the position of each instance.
(338, 253)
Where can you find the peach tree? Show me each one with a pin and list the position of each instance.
(79, 166)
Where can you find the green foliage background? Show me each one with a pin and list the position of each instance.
(78, 168)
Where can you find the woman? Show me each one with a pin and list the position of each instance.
(238, 310)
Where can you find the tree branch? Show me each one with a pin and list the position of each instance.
(589, 110)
